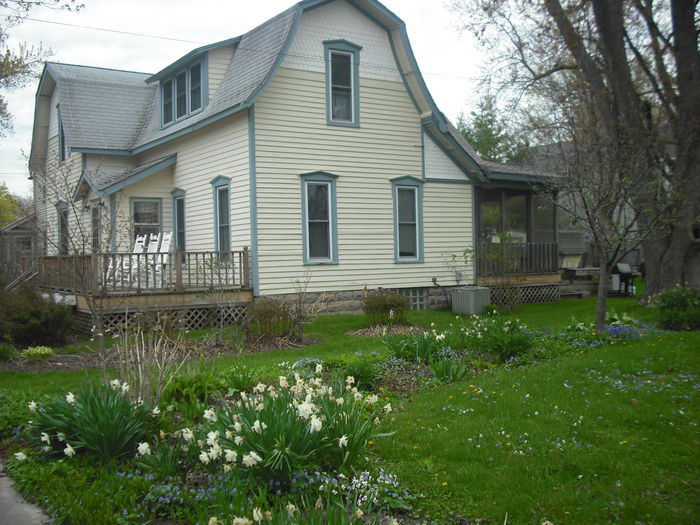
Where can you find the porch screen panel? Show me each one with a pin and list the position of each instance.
(407, 222)
(515, 217)
(489, 215)
(224, 226)
(318, 225)
(544, 214)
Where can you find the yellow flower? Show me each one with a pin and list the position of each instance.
(370, 442)
(444, 483)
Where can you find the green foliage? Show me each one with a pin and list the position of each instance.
(14, 411)
(385, 308)
(7, 351)
(418, 347)
(679, 308)
(449, 370)
(502, 337)
(37, 353)
(275, 432)
(366, 372)
(26, 319)
(489, 133)
(98, 421)
(192, 388)
(269, 318)
(239, 378)
(164, 459)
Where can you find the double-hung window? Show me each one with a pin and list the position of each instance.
(146, 214)
(319, 218)
(222, 213)
(63, 233)
(96, 222)
(408, 221)
(342, 82)
(183, 93)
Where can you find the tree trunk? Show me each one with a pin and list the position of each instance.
(602, 303)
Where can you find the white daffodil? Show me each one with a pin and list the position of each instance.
(69, 451)
(155, 411)
(187, 434)
(115, 384)
(230, 455)
(257, 515)
(343, 441)
(204, 458)
(241, 521)
(387, 408)
(306, 409)
(259, 427)
(238, 440)
(251, 459)
(283, 382)
(315, 424)
(228, 434)
(213, 521)
(340, 401)
(212, 438)
(20, 456)
(125, 387)
(319, 368)
(291, 508)
(259, 407)
(371, 400)
(215, 451)
(33, 406)
(61, 436)
(350, 380)
(144, 449)
(260, 388)
(46, 438)
(210, 415)
(237, 426)
(70, 398)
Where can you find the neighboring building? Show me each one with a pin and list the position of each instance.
(311, 142)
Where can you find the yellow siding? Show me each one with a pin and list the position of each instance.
(292, 138)
(218, 149)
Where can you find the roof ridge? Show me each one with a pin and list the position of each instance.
(83, 66)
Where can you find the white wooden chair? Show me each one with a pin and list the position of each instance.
(120, 268)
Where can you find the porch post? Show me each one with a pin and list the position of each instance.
(178, 269)
(246, 267)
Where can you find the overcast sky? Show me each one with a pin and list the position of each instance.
(449, 61)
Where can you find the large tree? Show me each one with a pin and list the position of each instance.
(20, 65)
(632, 66)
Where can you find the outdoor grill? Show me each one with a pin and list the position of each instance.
(623, 279)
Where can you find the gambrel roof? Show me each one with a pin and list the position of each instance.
(110, 111)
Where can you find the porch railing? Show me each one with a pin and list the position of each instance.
(497, 259)
(146, 272)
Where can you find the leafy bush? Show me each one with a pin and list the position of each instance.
(191, 388)
(385, 308)
(418, 347)
(679, 308)
(502, 337)
(7, 352)
(37, 353)
(99, 421)
(27, 320)
(449, 370)
(266, 317)
(239, 378)
(279, 430)
(365, 371)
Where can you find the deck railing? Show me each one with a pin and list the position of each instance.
(146, 272)
(496, 259)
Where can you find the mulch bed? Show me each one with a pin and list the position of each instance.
(383, 330)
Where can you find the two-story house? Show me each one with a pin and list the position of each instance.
(311, 142)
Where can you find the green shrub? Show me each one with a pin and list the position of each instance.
(28, 320)
(385, 308)
(419, 347)
(679, 308)
(266, 317)
(99, 421)
(276, 432)
(502, 337)
(239, 378)
(365, 371)
(7, 352)
(37, 353)
(191, 388)
(449, 370)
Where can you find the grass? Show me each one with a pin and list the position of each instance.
(597, 435)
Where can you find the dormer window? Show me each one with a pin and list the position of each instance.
(181, 94)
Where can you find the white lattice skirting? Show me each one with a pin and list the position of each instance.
(525, 294)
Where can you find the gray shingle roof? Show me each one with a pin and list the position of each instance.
(101, 108)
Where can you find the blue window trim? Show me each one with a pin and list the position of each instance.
(330, 179)
(216, 183)
(132, 200)
(204, 85)
(343, 46)
(417, 184)
(61, 217)
(179, 193)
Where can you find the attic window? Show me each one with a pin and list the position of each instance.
(342, 83)
(182, 93)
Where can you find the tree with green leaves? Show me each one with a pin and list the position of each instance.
(490, 133)
(21, 65)
(9, 206)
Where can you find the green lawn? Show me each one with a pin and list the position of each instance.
(594, 436)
